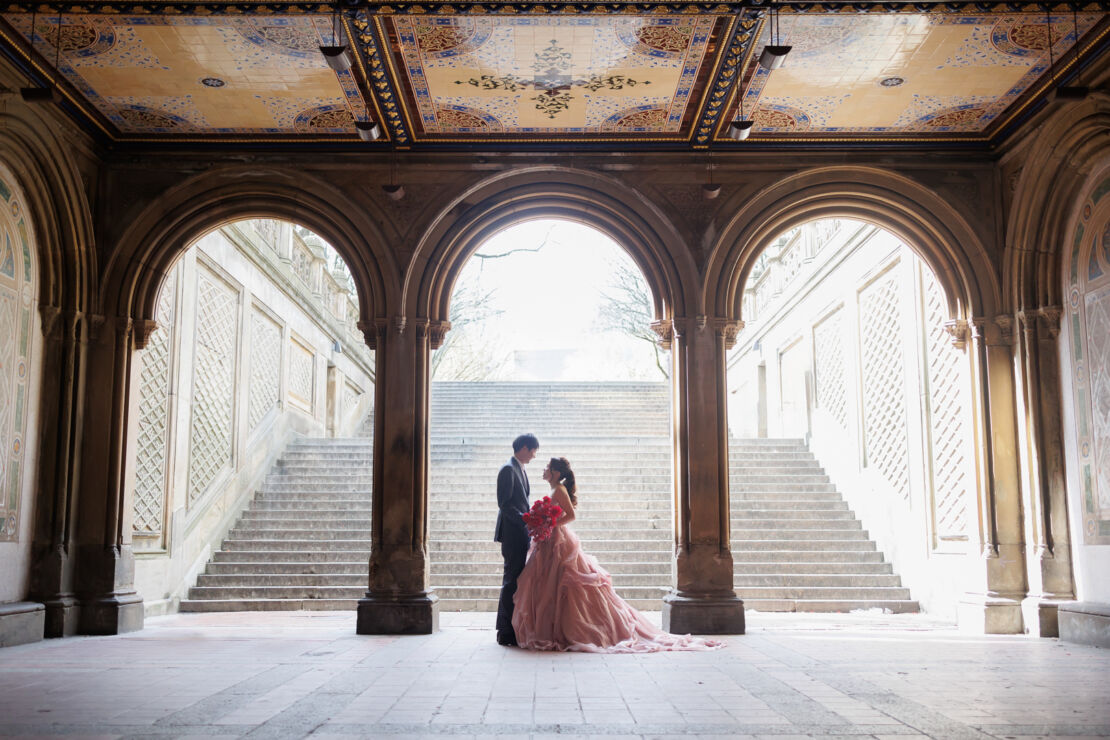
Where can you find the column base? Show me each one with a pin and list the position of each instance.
(1040, 616)
(398, 615)
(1085, 623)
(112, 615)
(21, 622)
(703, 615)
(62, 614)
(989, 615)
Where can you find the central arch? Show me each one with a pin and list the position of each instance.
(608, 205)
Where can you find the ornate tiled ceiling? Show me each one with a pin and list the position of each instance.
(620, 76)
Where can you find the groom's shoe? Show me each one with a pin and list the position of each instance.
(506, 638)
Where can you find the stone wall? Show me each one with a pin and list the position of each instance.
(849, 327)
(255, 344)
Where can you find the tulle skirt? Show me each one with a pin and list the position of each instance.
(565, 601)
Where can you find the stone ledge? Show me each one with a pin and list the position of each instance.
(21, 622)
(1085, 623)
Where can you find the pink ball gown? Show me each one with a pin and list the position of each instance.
(565, 601)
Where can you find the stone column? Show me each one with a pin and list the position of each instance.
(106, 571)
(399, 600)
(62, 399)
(1044, 495)
(703, 600)
(994, 590)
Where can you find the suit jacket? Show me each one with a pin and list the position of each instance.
(512, 502)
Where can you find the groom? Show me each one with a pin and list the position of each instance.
(512, 502)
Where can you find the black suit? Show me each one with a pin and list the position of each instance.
(512, 502)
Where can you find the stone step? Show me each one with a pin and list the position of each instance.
(836, 552)
(346, 506)
(360, 515)
(832, 515)
(786, 504)
(595, 548)
(250, 521)
(824, 593)
(816, 580)
(739, 523)
(277, 592)
(249, 532)
(756, 534)
(741, 486)
(259, 580)
(807, 567)
(315, 496)
(895, 606)
(263, 554)
(237, 567)
(741, 497)
(751, 468)
(661, 556)
(269, 604)
(797, 545)
(332, 545)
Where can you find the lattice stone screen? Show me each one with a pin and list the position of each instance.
(211, 433)
(154, 415)
(884, 397)
(265, 383)
(950, 438)
(302, 378)
(828, 351)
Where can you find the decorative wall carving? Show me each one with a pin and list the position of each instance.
(950, 436)
(828, 350)
(265, 383)
(17, 305)
(154, 415)
(211, 433)
(1088, 318)
(302, 376)
(884, 397)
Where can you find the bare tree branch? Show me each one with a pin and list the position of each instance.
(627, 308)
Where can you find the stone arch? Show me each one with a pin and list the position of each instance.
(1066, 156)
(169, 223)
(608, 205)
(58, 210)
(911, 211)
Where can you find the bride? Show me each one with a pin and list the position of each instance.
(565, 599)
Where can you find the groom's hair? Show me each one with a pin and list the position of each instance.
(526, 440)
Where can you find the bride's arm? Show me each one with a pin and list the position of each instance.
(562, 498)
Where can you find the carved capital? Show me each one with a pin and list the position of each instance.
(96, 327)
(1005, 324)
(144, 329)
(1050, 317)
(958, 331)
(665, 330)
(52, 327)
(437, 330)
(728, 329)
(372, 331)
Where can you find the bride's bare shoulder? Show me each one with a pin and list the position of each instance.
(561, 496)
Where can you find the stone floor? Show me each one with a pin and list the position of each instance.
(307, 673)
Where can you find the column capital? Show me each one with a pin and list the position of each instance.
(372, 331)
(727, 329)
(144, 329)
(665, 329)
(1050, 317)
(958, 331)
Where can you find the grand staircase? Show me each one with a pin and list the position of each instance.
(795, 544)
(304, 542)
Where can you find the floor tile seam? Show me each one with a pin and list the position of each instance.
(234, 697)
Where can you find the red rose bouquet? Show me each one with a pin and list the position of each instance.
(541, 519)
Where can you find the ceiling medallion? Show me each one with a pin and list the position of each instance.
(552, 81)
(891, 81)
(212, 82)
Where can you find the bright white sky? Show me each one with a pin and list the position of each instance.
(550, 298)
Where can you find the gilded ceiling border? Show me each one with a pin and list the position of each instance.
(465, 7)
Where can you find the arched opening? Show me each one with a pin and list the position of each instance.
(852, 466)
(551, 335)
(249, 450)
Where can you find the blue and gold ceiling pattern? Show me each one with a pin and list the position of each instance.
(463, 75)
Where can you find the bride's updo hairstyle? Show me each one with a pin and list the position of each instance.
(566, 476)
